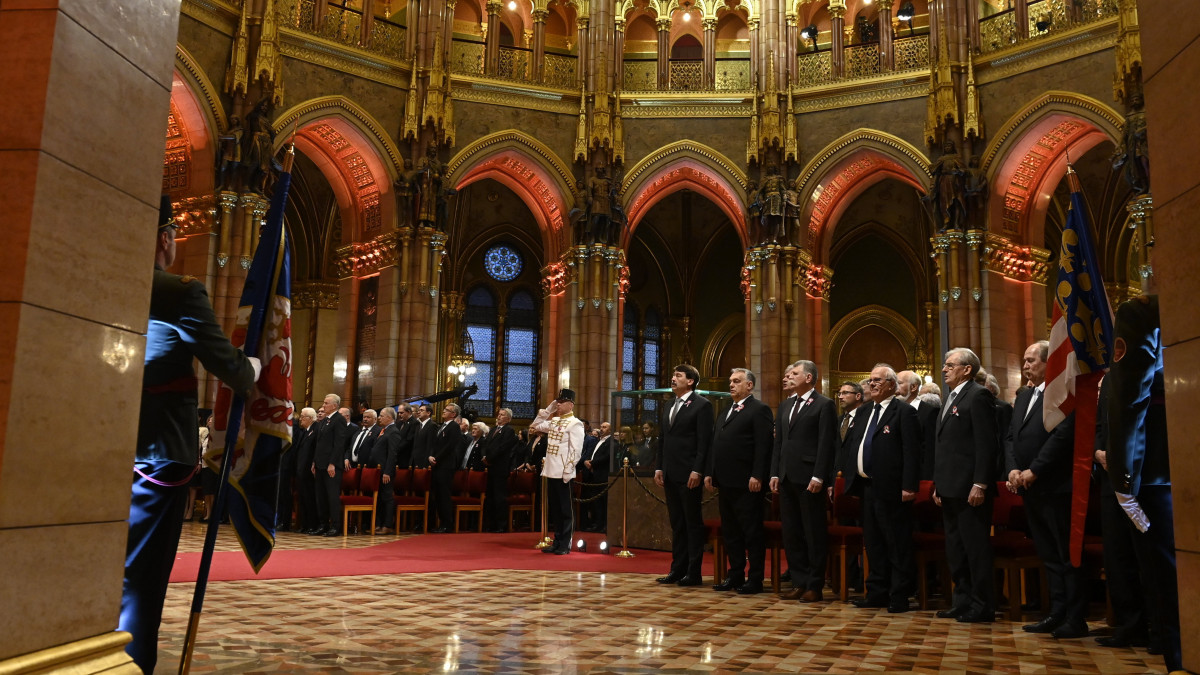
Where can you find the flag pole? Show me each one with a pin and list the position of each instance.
(236, 409)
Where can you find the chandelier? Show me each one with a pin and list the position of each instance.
(462, 359)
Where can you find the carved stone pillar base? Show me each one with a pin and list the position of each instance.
(100, 654)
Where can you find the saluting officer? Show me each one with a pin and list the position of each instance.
(182, 328)
(564, 446)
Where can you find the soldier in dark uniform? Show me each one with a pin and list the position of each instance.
(182, 328)
(1138, 463)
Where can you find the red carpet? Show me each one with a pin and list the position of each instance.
(424, 553)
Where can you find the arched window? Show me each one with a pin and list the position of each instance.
(629, 353)
(651, 358)
(482, 321)
(520, 373)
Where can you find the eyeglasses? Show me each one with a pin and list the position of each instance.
(952, 365)
(877, 380)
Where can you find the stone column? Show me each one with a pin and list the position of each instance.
(582, 72)
(779, 313)
(314, 340)
(618, 81)
(491, 48)
(837, 34)
(368, 20)
(1021, 16)
(792, 41)
(710, 51)
(887, 57)
(539, 45)
(72, 322)
(664, 53)
(757, 77)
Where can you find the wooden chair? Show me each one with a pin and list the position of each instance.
(713, 529)
(366, 499)
(416, 497)
(520, 496)
(1013, 551)
(845, 541)
(469, 496)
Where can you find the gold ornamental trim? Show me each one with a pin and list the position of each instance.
(348, 110)
(221, 16)
(866, 91)
(658, 105)
(318, 51)
(513, 95)
(538, 151)
(362, 259)
(197, 80)
(884, 143)
(102, 653)
(1026, 56)
(1067, 102)
(664, 155)
(1013, 261)
(315, 295)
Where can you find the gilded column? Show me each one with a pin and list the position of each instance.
(582, 72)
(887, 58)
(1021, 15)
(491, 48)
(710, 51)
(757, 76)
(837, 33)
(539, 44)
(618, 80)
(777, 283)
(792, 41)
(664, 53)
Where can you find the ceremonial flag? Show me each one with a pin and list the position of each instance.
(1080, 351)
(264, 329)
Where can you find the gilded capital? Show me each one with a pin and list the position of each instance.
(539, 15)
(494, 7)
(709, 23)
(663, 24)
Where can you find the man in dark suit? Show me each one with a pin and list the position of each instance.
(1004, 416)
(362, 440)
(328, 461)
(406, 430)
(1038, 466)
(908, 390)
(384, 452)
(303, 446)
(680, 464)
(445, 453)
(423, 440)
(1139, 466)
(964, 469)
(498, 450)
(593, 468)
(738, 463)
(802, 465)
(882, 467)
(352, 430)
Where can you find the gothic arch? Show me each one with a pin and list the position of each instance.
(718, 340)
(1027, 159)
(191, 75)
(836, 175)
(530, 169)
(682, 165)
(358, 160)
(871, 315)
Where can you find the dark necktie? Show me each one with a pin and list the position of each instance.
(869, 438)
(675, 409)
(795, 408)
(949, 404)
(845, 425)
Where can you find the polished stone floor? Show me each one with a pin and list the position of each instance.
(507, 621)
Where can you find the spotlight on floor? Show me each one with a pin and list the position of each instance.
(604, 547)
(581, 546)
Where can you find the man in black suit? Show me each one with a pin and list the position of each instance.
(303, 446)
(593, 468)
(352, 430)
(1038, 466)
(682, 459)
(802, 465)
(1139, 463)
(908, 390)
(423, 439)
(445, 453)
(882, 467)
(384, 452)
(406, 429)
(964, 468)
(738, 463)
(362, 440)
(498, 452)
(328, 461)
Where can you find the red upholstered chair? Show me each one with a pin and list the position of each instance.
(350, 481)
(773, 536)
(1012, 549)
(520, 496)
(365, 500)
(415, 497)
(471, 498)
(929, 544)
(845, 541)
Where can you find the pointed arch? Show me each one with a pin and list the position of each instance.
(1027, 159)
(360, 162)
(190, 74)
(530, 169)
(682, 165)
(872, 315)
(840, 172)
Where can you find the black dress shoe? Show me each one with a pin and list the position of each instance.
(899, 608)
(1115, 641)
(332, 532)
(952, 613)
(1046, 625)
(549, 549)
(1070, 631)
(688, 581)
(750, 588)
(671, 578)
(730, 584)
(977, 616)
(863, 603)
(440, 530)
(562, 551)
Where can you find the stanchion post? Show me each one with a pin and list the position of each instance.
(545, 540)
(625, 552)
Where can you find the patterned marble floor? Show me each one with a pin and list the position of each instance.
(502, 621)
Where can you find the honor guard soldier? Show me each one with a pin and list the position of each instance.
(564, 446)
(182, 328)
